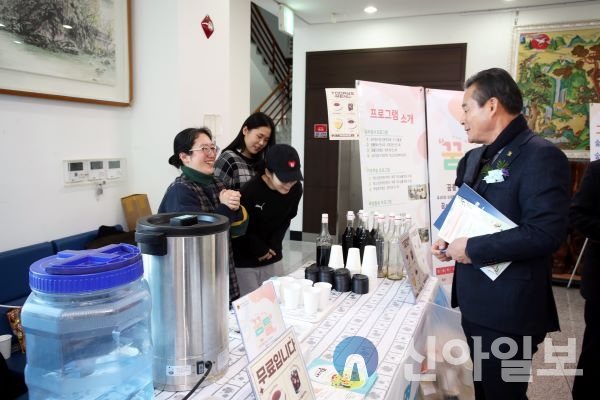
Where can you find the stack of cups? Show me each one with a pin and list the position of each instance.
(312, 296)
(336, 259)
(324, 290)
(303, 284)
(284, 281)
(353, 261)
(291, 295)
(369, 266)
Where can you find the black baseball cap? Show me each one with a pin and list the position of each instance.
(283, 161)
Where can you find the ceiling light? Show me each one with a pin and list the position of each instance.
(370, 10)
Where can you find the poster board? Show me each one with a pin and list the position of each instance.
(259, 318)
(446, 143)
(342, 114)
(393, 152)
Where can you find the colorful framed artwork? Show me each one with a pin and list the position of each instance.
(77, 50)
(557, 68)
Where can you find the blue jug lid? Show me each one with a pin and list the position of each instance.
(79, 271)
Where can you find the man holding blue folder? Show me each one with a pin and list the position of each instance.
(526, 178)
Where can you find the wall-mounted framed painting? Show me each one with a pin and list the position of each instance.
(557, 68)
(75, 50)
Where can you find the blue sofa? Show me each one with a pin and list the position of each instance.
(14, 269)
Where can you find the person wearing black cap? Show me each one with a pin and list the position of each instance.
(271, 199)
(198, 190)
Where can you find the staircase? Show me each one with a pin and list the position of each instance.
(278, 103)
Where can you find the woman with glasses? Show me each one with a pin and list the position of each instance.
(198, 190)
(237, 163)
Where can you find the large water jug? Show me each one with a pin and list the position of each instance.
(87, 326)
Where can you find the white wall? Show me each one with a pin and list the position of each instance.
(488, 36)
(178, 77)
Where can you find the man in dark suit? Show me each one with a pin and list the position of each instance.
(584, 215)
(527, 179)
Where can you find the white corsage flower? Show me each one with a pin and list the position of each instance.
(496, 175)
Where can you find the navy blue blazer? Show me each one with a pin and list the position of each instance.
(535, 195)
(585, 216)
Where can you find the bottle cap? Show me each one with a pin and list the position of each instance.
(80, 271)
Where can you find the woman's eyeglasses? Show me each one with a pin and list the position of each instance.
(207, 150)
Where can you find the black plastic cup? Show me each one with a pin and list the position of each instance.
(326, 275)
(360, 284)
(341, 280)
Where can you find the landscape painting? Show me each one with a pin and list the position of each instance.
(66, 49)
(557, 68)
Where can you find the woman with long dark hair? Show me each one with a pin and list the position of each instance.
(237, 163)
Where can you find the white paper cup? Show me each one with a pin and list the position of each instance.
(369, 257)
(291, 295)
(303, 283)
(324, 289)
(282, 281)
(5, 342)
(336, 258)
(353, 261)
(311, 297)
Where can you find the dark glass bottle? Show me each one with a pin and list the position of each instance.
(380, 246)
(347, 238)
(364, 236)
(324, 242)
(359, 228)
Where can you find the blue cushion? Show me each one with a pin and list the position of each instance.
(14, 269)
(76, 242)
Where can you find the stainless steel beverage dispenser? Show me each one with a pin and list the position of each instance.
(186, 264)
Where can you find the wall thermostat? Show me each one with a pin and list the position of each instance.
(97, 171)
(114, 170)
(93, 171)
(75, 171)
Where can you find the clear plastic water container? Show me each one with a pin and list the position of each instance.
(87, 326)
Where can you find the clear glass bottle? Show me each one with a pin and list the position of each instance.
(324, 242)
(395, 260)
(389, 225)
(406, 224)
(380, 246)
(347, 239)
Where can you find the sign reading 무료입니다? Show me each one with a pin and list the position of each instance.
(279, 372)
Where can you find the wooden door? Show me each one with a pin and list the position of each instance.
(435, 67)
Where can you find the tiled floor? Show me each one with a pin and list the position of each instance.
(550, 379)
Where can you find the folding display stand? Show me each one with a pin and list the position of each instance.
(577, 263)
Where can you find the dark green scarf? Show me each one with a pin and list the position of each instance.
(196, 176)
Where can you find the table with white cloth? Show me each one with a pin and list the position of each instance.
(389, 316)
